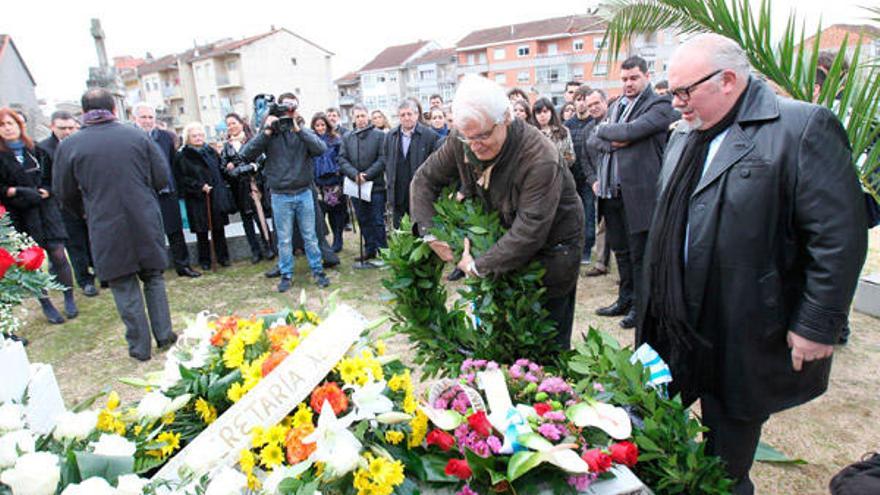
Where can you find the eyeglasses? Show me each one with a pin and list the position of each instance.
(480, 137)
(684, 94)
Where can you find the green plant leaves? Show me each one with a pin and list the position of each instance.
(766, 453)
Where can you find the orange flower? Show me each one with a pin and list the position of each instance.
(296, 450)
(330, 392)
(224, 329)
(272, 361)
(277, 335)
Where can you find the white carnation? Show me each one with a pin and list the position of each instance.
(34, 474)
(113, 445)
(130, 484)
(227, 482)
(12, 443)
(91, 486)
(77, 426)
(153, 405)
(11, 417)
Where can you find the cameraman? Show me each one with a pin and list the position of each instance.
(288, 173)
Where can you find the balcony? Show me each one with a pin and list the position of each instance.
(228, 81)
(347, 101)
(172, 93)
(473, 69)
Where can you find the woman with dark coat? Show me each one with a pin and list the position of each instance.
(32, 208)
(201, 178)
(328, 178)
(244, 182)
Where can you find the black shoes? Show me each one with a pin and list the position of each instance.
(273, 272)
(596, 272)
(70, 309)
(15, 338)
(321, 279)
(224, 263)
(366, 257)
(619, 308)
(142, 359)
(89, 290)
(188, 272)
(629, 321)
(166, 344)
(256, 258)
(284, 284)
(51, 312)
(205, 266)
(268, 254)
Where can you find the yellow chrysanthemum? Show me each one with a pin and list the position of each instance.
(303, 416)
(394, 437)
(253, 482)
(290, 343)
(419, 427)
(271, 456)
(258, 437)
(137, 430)
(235, 392)
(112, 401)
(313, 317)
(381, 348)
(348, 369)
(168, 418)
(379, 478)
(233, 355)
(251, 332)
(276, 435)
(206, 411)
(409, 403)
(319, 469)
(167, 442)
(247, 461)
(400, 382)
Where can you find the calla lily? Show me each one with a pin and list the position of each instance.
(612, 420)
(442, 418)
(560, 455)
(393, 418)
(370, 401)
(337, 447)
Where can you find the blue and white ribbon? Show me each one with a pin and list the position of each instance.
(649, 358)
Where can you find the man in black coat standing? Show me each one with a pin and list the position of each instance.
(145, 118)
(407, 146)
(110, 173)
(633, 139)
(755, 249)
(63, 125)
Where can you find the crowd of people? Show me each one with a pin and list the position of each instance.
(733, 213)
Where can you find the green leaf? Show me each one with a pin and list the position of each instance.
(521, 463)
(108, 467)
(766, 453)
(478, 230)
(435, 467)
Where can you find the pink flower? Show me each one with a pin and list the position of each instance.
(554, 416)
(549, 431)
(466, 490)
(582, 481)
(494, 443)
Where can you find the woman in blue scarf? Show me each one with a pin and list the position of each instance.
(328, 178)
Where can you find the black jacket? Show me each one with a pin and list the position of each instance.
(288, 167)
(639, 163)
(168, 203)
(39, 218)
(49, 145)
(424, 142)
(362, 152)
(579, 130)
(111, 173)
(777, 238)
(195, 172)
(241, 186)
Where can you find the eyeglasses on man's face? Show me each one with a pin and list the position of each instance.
(684, 93)
(479, 138)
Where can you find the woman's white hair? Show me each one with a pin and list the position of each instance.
(189, 127)
(142, 104)
(481, 100)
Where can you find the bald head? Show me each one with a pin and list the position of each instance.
(707, 74)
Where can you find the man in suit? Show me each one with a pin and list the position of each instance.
(633, 139)
(406, 147)
(145, 118)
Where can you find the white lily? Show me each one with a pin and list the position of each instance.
(611, 419)
(199, 329)
(560, 455)
(445, 419)
(369, 400)
(337, 447)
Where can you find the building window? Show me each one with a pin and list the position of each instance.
(181, 110)
(427, 75)
(550, 74)
(650, 66)
(213, 101)
(482, 58)
(204, 102)
(523, 77)
(293, 60)
(597, 43)
(382, 101)
(600, 69)
(577, 45)
(231, 65)
(501, 78)
(392, 77)
(471, 59)
(499, 54)
(380, 78)
(522, 51)
(577, 74)
(552, 49)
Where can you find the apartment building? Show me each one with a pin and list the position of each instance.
(866, 35)
(348, 94)
(385, 80)
(432, 73)
(17, 85)
(541, 56)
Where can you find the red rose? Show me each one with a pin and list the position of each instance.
(458, 468)
(542, 408)
(598, 461)
(2, 211)
(441, 439)
(31, 259)
(479, 423)
(626, 453)
(6, 261)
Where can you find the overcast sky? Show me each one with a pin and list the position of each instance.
(55, 41)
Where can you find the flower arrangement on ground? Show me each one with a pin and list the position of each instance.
(527, 430)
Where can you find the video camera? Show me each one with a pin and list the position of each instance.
(265, 104)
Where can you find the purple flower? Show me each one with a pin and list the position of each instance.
(554, 416)
(582, 481)
(466, 364)
(534, 368)
(479, 363)
(516, 372)
(549, 431)
(554, 385)
(466, 490)
(491, 366)
(470, 377)
(531, 378)
(441, 403)
(522, 362)
(480, 448)
(494, 443)
(598, 387)
(459, 405)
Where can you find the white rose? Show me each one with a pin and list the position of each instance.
(75, 426)
(130, 484)
(153, 405)
(91, 486)
(113, 445)
(11, 417)
(34, 474)
(12, 443)
(227, 482)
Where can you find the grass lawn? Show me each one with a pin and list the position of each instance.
(89, 353)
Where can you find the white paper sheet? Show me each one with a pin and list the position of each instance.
(350, 188)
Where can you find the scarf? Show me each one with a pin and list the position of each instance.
(237, 141)
(98, 116)
(688, 350)
(509, 150)
(17, 148)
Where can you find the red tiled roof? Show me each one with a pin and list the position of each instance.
(222, 48)
(443, 54)
(393, 56)
(533, 29)
(162, 63)
(350, 78)
(865, 30)
(6, 40)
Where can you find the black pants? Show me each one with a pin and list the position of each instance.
(220, 249)
(179, 252)
(129, 300)
(256, 238)
(336, 217)
(78, 249)
(399, 212)
(562, 312)
(371, 221)
(733, 440)
(629, 249)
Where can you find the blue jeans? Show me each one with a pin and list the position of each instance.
(589, 200)
(299, 207)
(371, 218)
